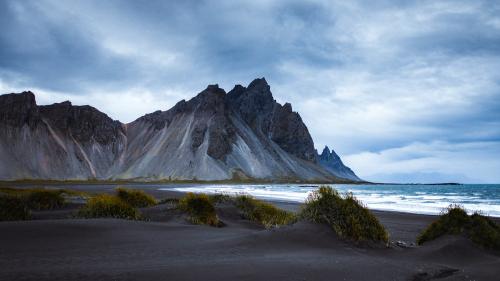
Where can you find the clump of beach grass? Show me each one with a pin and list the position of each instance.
(200, 209)
(173, 201)
(12, 191)
(220, 198)
(37, 198)
(264, 213)
(345, 214)
(455, 221)
(135, 198)
(44, 199)
(110, 206)
(13, 208)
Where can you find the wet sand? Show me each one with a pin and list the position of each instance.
(55, 246)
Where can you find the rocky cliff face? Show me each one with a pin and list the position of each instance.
(244, 134)
(256, 106)
(59, 141)
(332, 162)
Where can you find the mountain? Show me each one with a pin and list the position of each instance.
(240, 135)
(332, 162)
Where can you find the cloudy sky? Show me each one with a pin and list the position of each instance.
(403, 92)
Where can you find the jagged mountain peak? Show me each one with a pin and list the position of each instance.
(259, 90)
(84, 122)
(209, 97)
(17, 109)
(332, 162)
(256, 97)
(329, 154)
(260, 84)
(214, 87)
(212, 136)
(25, 99)
(326, 151)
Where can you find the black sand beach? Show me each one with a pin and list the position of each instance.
(55, 246)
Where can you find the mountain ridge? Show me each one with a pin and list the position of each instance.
(243, 134)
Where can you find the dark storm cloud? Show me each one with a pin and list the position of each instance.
(377, 79)
(53, 54)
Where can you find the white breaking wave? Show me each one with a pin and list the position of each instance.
(419, 199)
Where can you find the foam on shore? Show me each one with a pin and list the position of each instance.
(419, 199)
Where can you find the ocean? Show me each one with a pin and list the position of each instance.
(420, 199)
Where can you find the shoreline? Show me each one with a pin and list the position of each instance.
(57, 246)
(158, 191)
(152, 182)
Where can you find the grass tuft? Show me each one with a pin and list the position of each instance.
(44, 199)
(264, 213)
(135, 198)
(13, 191)
(220, 198)
(173, 201)
(13, 208)
(345, 214)
(38, 198)
(105, 205)
(200, 209)
(455, 221)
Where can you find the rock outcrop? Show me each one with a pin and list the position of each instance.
(244, 134)
(58, 141)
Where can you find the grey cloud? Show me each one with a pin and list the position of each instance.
(55, 55)
(365, 75)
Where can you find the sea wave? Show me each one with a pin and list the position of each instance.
(421, 199)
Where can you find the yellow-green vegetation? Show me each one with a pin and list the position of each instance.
(135, 198)
(23, 191)
(169, 201)
(13, 208)
(44, 199)
(38, 198)
(220, 198)
(345, 214)
(480, 229)
(105, 205)
(12, 191)
(264, 213)
(200, 209)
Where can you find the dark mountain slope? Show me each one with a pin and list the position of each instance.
(244, 134)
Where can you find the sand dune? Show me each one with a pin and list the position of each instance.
(169, 248)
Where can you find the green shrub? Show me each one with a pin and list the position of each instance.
(480, 229)
(200, 209)
(262, 212)
(13, 208)
(345, 214)
(105, 205)
(44, 199)
(135, 198)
